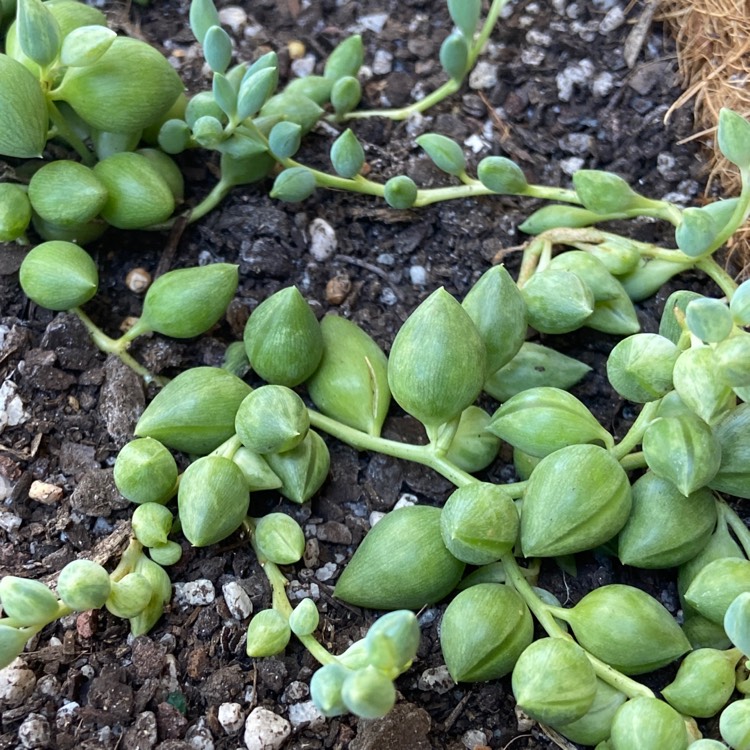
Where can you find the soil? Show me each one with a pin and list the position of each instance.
(555, 94)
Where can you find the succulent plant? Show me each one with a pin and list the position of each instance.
(279, 538)
(648, 722)
(303, 469)
(437, 361)
(272, 419)
(59, 275)
(402, 563)
(83, 584)
(483, 632)
(267, 634)
(26, 601)
(145, 471)
(351, 382)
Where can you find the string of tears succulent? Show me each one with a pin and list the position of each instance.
(653, 498)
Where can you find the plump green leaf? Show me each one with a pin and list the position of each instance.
(733, 137)
(23, 111)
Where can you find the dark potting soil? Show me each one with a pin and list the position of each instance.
(552, 91)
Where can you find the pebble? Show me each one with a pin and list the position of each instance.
(334, 532)
(11, 407)
(265, 730)
(34, 732)
(143, 733)
(44, 492)
(572, 165)
(375, 516)
(231, 717)
(436, 680)
(483, 76)
(405, 500)
(374, 22)
(338, 288)
(305, 714)
(578, 73)
(613, 20)
(17, 683)
(603, 84)
(66, 714)
(237, 600)
(194, 593)
(9, 521)
(388, 297)
(382, 62)
(325, 573)
(233, 16)
(199, 736)
(418, 275)
(303, 67)
(323, 242)
(532, 56)
(474, 738)
(295, 691)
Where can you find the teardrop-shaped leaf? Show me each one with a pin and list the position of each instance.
(445, 153)
(217, 49)
(733, 137)
(203, 15)
(38, 32)
(23, 111)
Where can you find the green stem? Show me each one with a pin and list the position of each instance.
(719, 276)
(736, 524)
(422, 454)
(633, 461)
(634, 435)
(449, 87)
(228, 448)
(63, 130)
(739, 216)
(280, 602)
(116, 347)
(545, 615)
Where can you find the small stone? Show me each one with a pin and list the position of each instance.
(199, 736)
(296, 49)
(12, 412)
(44, 492)
(67, 714)
(334, 532)
(483, 76)
(170, 722)
(575, 74)
(9, 521)
(327, 572)
(375, 516)
(613, 20)
(237, 600)
(34, 732)
(436, 680)
(382, 63)
(231, 717)
(602, 84)
(418, 275)
(304, 66)
(388, 297)
(323, 242)
(295, 691)
(194, 593)
(143, 734)
(338, 288)
(265, 730)
(138, 280)
(474, 739)
(572, 165)
(305, 714)
(532, 56)
(374, 22)
(233, 16)
(17, 683)
(576, 143)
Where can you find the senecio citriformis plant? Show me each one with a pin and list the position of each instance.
(121, 109)
(653, 498)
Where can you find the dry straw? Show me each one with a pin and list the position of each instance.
(713, 53)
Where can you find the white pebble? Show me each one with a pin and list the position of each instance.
(475, 143)
(572, 165)
(199, 736)
(34, 731)
(484, 75)
(237, 600)
(613, 20)
(265, 730)
(418, 275)
(194, 593)
(305, 714)
(532, 56)
(295, 691)
(66, 714)
(474, 738)
(602, 84)
(538, 38)
(376, 516)
(233, 16)
(436, 680)
(406, 499)
(323, 242)
(11, 407)
(327, 572)
(382, 63)
(231, 717)
(304, 66)
(9, 521)
(388, 297)
(17, 683)
(372, 22)
(577, 73)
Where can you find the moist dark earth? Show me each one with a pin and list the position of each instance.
(554, 93)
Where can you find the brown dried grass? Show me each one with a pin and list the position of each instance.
(713, 53)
